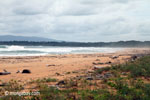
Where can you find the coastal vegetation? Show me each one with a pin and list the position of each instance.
(128, 81)
(80, 44)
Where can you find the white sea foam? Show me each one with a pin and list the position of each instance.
(43, 50)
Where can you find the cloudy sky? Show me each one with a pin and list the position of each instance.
(77, 20)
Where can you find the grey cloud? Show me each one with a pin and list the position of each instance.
(76, 20)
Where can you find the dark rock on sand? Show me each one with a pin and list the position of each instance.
(5, 72)
(109, 62)
(26, 71)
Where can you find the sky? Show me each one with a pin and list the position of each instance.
(77, 20)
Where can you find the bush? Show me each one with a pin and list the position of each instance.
(140, 67)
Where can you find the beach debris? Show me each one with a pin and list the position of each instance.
(18, 71)
(5, 70)
(26, 71)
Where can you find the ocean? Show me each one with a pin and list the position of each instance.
(14, 50)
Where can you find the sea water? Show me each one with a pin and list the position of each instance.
(15, 50)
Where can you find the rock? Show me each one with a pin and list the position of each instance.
(26, 71)
(114, 57)
(109, 62)
(5, 73)
(89, 78)
(58, 74)
(94, 63)
(62, 82)
(133, 58)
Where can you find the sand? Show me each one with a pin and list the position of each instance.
(61, 66)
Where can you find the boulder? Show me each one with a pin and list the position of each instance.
(26, 71)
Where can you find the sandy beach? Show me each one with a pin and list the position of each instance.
(62, 66)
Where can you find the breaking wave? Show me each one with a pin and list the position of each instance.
(43, 50)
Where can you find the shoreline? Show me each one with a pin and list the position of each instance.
(110, 50)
